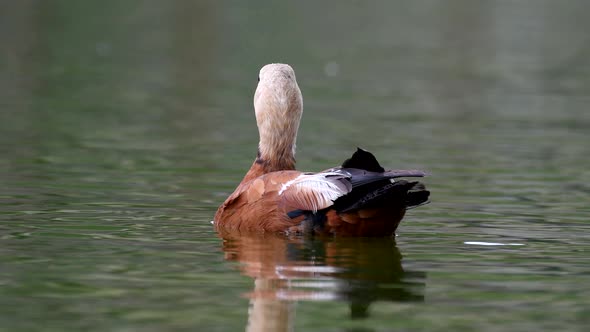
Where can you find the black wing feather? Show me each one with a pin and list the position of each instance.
(372, 185)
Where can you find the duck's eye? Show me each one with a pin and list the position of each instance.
(258, 78)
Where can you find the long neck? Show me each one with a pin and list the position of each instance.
(274, 154)
(278, 105)
(276, 148)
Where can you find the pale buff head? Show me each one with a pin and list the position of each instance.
(278, 105)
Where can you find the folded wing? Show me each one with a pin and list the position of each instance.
(313, 192)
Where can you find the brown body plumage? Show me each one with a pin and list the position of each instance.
(358, 198)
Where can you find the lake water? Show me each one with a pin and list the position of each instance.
(123, 126)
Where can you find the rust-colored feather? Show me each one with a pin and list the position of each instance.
(254, 205)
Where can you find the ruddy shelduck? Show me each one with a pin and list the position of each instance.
(358, 198)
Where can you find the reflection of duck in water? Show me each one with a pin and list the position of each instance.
(286, 270)
(359, 198)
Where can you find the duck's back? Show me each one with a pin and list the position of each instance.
(255, 205)
(358, 199)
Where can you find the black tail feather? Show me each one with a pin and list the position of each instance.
(406, 194)
(417, 195)
(363, 159)
(373, 186)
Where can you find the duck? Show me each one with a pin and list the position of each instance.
(357, 198)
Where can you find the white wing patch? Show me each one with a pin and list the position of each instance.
(314, 192)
